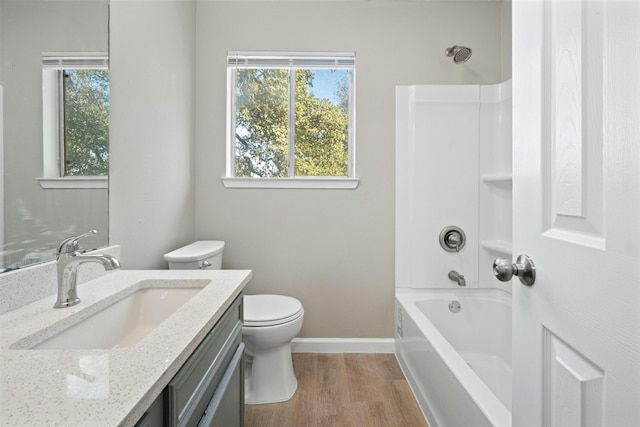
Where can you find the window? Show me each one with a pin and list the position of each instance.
(291, 119)
(75, 120)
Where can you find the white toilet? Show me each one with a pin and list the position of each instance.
(270, 323)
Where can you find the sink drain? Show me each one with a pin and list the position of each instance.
(454, 306)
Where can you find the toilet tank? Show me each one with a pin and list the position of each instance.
(201, 255)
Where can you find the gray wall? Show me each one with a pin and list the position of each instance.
(505, 29)
(332, 249)
(152, 72)
(37, 219)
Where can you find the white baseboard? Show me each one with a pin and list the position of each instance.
(343, 345)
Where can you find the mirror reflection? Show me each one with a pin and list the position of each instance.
(54, 100)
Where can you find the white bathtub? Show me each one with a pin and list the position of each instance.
(458, 364)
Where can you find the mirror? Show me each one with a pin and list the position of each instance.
(36, 213)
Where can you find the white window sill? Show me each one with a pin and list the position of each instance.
(74, 182)
(307, 182)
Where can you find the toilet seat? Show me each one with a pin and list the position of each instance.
(270, 310)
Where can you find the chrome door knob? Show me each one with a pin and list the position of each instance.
(524, 269)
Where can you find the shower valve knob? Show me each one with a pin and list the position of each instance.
(452, 238)
(524, 269)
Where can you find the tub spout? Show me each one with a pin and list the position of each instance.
(457, 277)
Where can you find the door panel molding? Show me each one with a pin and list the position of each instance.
(573, 123)
(574, 386)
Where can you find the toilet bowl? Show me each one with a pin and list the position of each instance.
(270, 323)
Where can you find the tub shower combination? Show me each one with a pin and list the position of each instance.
(453, 318)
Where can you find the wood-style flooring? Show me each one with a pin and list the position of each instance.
(343, 390)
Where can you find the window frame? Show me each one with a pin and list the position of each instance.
(288, 61)
(53, 66)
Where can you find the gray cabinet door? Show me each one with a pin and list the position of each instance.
(154, 416)
(226, 407)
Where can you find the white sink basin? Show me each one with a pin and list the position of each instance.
(123, 323)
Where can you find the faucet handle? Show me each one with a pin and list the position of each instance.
(70, 244)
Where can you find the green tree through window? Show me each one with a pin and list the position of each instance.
(320, 134)
(86, 122)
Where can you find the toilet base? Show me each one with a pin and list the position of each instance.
(269, 375)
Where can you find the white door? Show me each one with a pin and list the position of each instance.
(576, 106)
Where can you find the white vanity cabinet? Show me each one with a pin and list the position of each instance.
(209, 388)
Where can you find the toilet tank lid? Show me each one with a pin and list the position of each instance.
(196, 251)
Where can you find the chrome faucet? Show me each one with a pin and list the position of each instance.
(69, 259)
(457, 277)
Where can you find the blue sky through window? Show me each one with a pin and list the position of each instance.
(327, 82)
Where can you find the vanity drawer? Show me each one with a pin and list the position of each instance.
(188, 393)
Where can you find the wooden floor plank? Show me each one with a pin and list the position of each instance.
(406, 411)
(364, 377)
(343, 390)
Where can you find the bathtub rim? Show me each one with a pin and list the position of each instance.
(488, 403)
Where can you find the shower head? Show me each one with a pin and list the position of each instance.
(461, 54)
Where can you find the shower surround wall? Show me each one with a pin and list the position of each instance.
(453, 167)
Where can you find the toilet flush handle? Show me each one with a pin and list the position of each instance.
(205, 264)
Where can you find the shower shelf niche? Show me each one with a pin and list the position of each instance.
(495, 182)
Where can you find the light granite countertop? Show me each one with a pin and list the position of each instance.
(104, 387)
